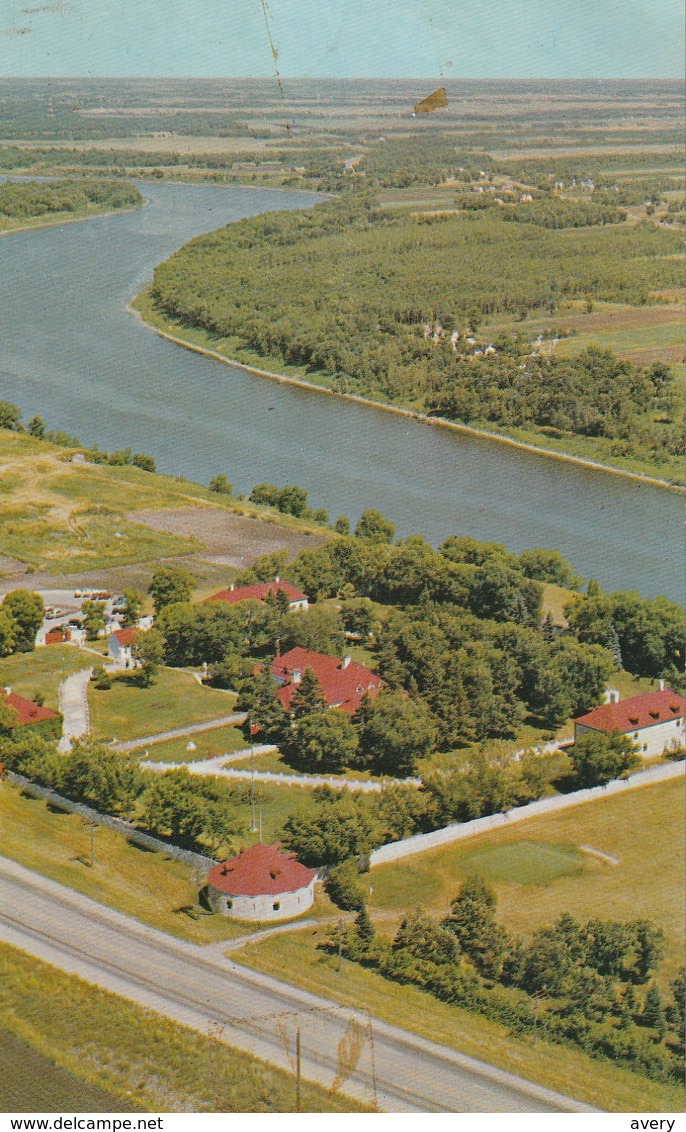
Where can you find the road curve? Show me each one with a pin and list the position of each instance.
(195, 986)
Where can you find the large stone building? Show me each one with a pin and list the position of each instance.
(653, 720)
(261, 883)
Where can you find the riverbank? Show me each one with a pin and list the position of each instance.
(57, 219)
(142, 308)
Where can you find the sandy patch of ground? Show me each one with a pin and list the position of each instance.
(230, 540)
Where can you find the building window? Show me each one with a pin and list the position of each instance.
(276, 905)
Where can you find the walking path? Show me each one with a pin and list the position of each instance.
(234, 720)
(74, 708)
(217, 766)
(422, 841)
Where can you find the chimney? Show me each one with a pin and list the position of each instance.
(611, 696)
(661, 685)
(296, 676)
(232, 587)
(7, 691)
(277, 578)
(346, 661)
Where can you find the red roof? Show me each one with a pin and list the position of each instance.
(57, 636)
(258, 592)
(262, 870)
(637, 712)
(27, 711)
(126, 636)
(343, 684)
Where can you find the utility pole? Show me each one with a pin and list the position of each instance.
(90, 825)
(253, 827)
(340, 946)
(298, 1097)
(373, 1063)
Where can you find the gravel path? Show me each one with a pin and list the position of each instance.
(74, 708)
(234, 720)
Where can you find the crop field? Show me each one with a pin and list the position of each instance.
(84, 1041)
(174, 699)
(33, 1082)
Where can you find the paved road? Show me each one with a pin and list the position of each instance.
(74, 707)
(257, 1013)
(234, 720)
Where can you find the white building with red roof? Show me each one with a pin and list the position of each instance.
(653, 720)
(343, 682)
(120, 645)
(297, 600)
(261, 883)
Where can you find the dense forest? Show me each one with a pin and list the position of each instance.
(33, 198)
(392, 308)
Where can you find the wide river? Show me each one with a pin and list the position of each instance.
(72, 353)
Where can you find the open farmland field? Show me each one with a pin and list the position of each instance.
(63, 518)
(33, 1082)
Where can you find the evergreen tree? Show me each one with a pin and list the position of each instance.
(308, 697)
(364, 925)
(654, 1010)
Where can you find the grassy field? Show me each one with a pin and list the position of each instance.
(208, 744)
(174, 699)
(538, 870)
(43, 671)
(63, 517)
(34, 1082)
(150, 886)
(648, 881)
(85, 1040)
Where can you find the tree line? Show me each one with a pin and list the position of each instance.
(589, 985)
(33, 198)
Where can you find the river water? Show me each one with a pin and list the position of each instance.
(70, 352)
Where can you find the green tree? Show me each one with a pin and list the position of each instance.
(173, 806)
(169, 585)
(100, 677)
(36, 427)
(319, 629)
(395, 731)
(133, 601)
(105, 779)
(8, 632)
(257, 696)
(373, 526)
(473, 922)
(653, 1014)
(221, 485)
(143, 461)
(340, 826)
(93, 619)
(424, 938)
(324, 742)
(27, 611)
(598, 758)
(10, 416)
(342, 525)
(8, 717)
(148, 650)
(342, 886)
(308, 697)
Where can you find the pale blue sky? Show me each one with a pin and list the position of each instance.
(340, 38)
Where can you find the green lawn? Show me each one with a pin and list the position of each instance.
(43, 670)
(175, 699)
(84, 1040)
(208, 744)
(643, 829)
